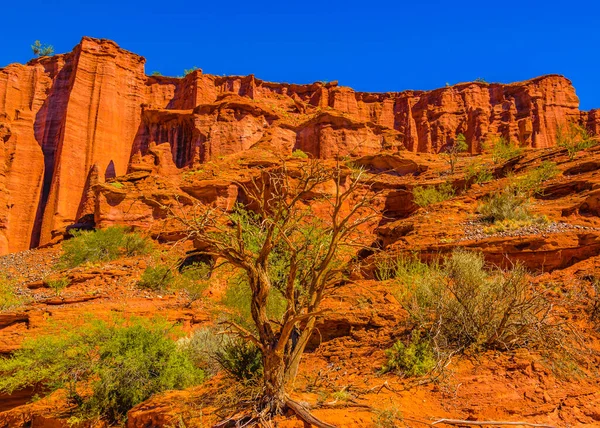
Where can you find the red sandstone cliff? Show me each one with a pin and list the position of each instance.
(70, 121)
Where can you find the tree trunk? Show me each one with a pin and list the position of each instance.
(298, 351)
(274, 398)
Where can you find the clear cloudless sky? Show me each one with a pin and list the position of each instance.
(367, 45)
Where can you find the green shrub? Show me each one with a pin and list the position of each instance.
(102, 246)
(574, 138)
(503, 150)
(452, 151)
(387, 418)
(190, 70)
(40, 49)
(508, 225)
(156, 278)
(106, 368)
(506, 205)
(213, 351)
(404, 266)
(478, 173)
(464, 305)
(156, 73)
(424, 196)
(202, 347)
(299, 154)
(532, 181)
(415, 359)
(116, 184)
(9, 299)
(240, 359)
(58, 285)
(194, 280)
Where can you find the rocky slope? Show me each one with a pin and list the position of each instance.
(72, 121)
(365, 317)
(88, 139)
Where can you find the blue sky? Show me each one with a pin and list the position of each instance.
(370, 46)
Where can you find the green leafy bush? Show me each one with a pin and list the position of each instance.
(415, 359)
(106, 368)
(478, 173)
(40, 49)
(157, 278)
(102, 245)
(194, 280)
(190, 70)
(202, 347)
(452, 151)
(403, 266)
(506, 205)
(9, 299)
(503, 150)
(213, 351)
(58, 284)
(240, 359)
(299, 154)
(574, 138)
(424, 196)
(387, 418)
(460, 304)
(532, 181)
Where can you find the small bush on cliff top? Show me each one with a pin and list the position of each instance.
(105, 367)
(190, 70)
(102, 245)
(424, 196)
(40, 49)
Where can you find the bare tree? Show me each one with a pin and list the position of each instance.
(282, 246)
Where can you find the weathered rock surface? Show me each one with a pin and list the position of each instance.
(70, 122)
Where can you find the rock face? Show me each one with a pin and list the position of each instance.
(70, 122)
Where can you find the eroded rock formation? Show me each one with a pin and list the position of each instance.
(72, 121)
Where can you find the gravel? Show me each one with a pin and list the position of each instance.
(30, 265)
(474, 230)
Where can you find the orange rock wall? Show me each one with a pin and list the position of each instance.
(73, 120)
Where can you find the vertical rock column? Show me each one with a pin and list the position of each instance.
(22, 93)
(102, 117)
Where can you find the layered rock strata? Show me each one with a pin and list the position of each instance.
(72, 121)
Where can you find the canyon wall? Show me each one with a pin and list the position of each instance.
(71, 121)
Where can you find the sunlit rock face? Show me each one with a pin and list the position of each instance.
(70, 122)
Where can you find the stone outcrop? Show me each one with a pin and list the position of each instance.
(70, 122)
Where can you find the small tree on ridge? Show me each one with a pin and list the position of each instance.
(40, 49)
